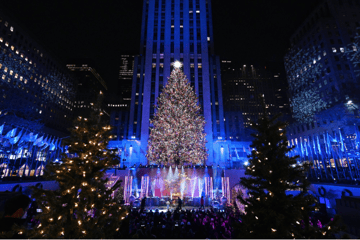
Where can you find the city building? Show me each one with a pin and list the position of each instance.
(176, 30)
(322, 72)
(126, 74)
(37, 103)
(37, 91)
(119, 115)
(242, 87)
(89, 85)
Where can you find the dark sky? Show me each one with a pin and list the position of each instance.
(245, 31)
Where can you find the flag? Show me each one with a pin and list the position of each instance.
(314, 146)
(53, 144)
(32, 137)
(327, 144)
(11, 133)
(14, 140)
(318, 144)
(342, 142)
(39, 140)
(43, 143)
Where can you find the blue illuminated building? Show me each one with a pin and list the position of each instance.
(36, 103)
(34, 85)
(176, 30)
(322, 72)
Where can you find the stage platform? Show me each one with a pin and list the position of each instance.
(172, 209)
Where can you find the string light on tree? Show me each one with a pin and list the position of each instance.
(177, 129)
(79, 201)
(271, 218)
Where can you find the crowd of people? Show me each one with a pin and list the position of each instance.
(194, 223)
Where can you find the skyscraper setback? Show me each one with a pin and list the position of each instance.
(176, 30)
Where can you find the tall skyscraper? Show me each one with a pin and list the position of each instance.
(176, 30)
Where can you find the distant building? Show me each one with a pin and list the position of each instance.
(242, 86)
(322, 71)
(126, 74)
(89, 85)
(35, 87)
(119, 116)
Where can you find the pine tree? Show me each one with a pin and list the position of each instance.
(177, 134)
(82, 206)
(270, 212)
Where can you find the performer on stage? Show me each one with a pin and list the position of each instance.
(142, 204)
(179, 203)
(202, 203)
(167, 205)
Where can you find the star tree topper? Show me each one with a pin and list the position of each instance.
(177, 64)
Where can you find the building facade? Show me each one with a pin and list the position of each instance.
(89, 85)
(37, 103)
(322, 71)
(35, 87)
(242, 87)
(126, 74)
(176, 30)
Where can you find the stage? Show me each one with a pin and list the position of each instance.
(171, 209)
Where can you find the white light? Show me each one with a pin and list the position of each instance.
(349, 102)
(177, 64)
(246, 163)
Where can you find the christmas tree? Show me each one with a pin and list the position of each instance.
(271, 212)
(82, 206)
(177, 133)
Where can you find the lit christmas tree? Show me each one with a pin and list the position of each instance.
(82, 206)
(177, 134)
(270, 212)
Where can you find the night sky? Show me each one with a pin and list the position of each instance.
(245, 31)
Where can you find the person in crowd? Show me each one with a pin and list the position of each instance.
(185, 224)
(142, 206)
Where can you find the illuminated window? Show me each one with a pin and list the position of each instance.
(342, 50)
(334, 50)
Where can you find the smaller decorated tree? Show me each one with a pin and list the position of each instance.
(271, 210)
(82, 206)
(177, 134)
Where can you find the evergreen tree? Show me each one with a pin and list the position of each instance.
(82, 206)
(177, 134)
(270, 212)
